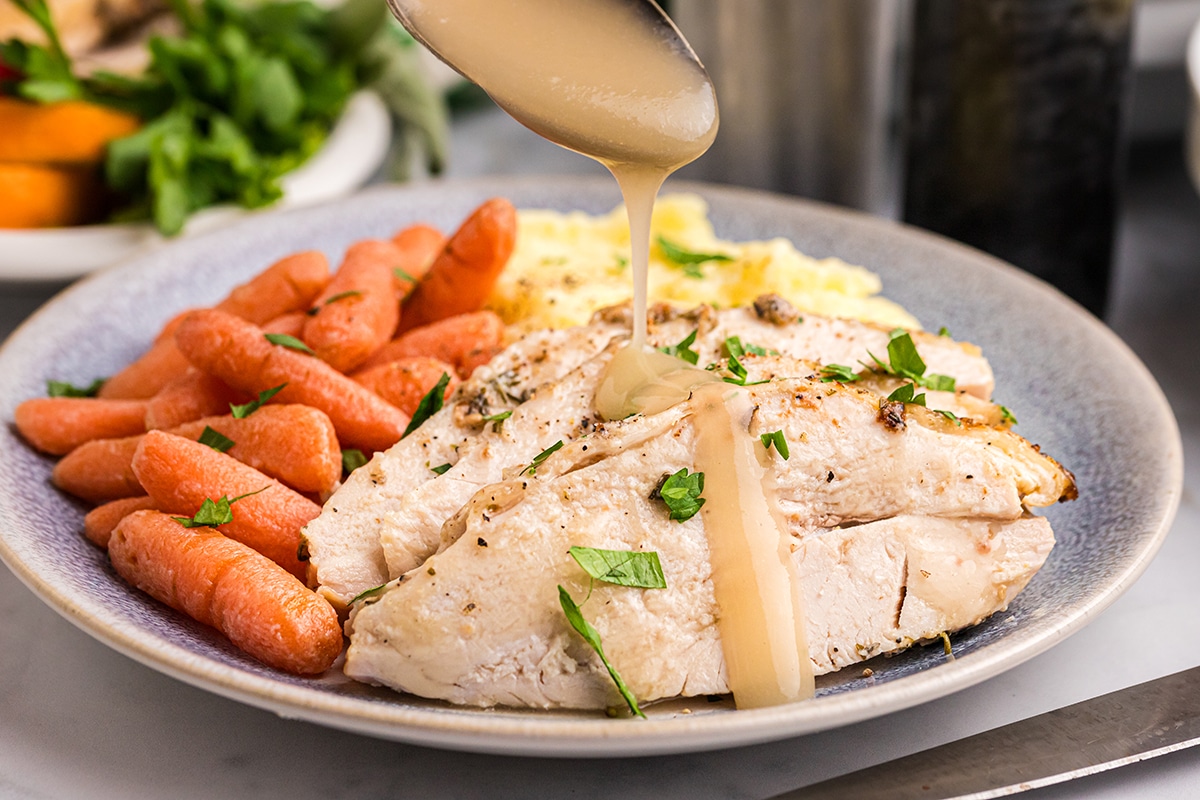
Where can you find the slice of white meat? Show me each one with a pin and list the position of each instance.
(343, 543)
(480, 623)
(387, 517)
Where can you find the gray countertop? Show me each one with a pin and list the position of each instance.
(80, 720)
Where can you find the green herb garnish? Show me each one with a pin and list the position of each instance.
(46, 72)
(906, 393)
(64, 389)
(682, 256)
(683, 350)
(950, 415)
(312, 312)
(403, 275)
(368, 593)
(290, 342)
(242, 94)
(777, 440)
(639, 569)
(497, 419)
(212, 514)
(215, 439)
(839, 372)
(944, 331)
(681, 494)
(1007, 416)
(430, 404)
(905, 362)
(441, 469)
(592, 637)
(540, 458)
(245, 410)
(352, 459)
(734, 366)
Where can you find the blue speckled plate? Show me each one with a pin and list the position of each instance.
(1077, 389)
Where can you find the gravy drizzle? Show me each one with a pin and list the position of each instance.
(615, 81)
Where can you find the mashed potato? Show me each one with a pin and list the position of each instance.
(568, 265)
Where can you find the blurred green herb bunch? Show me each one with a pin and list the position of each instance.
(244, 93)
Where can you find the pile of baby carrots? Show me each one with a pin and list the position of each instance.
(207, 456)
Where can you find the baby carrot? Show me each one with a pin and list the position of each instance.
(418, 245)
(99, 523)
(219, 582)
(287, 285)
(181, 474)
(463, 274)
(100, 470)
(58, 425)
(193, 395)
(290, 284)
(294, 444)
(239, 354)
(147, 375)
(289, 324)
(465, 340)
(357, 313)
(405, 381)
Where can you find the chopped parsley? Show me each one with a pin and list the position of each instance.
(950, 415)
(540, 458)
(737, 348)
(907, 393)
(215, 439)
(733, 365)
(246, 409)
(497, 419)
(212, 514)
(366, 594)
(403, 275)
(1007, 416)
(639, 569)
(905, 362)
(777, 440)
(683, 351)
(352, 459)
(64, 389)
(312, 312)
(430, 404)
(839, 372)
(440, 469)
(290, 342)
(681, 494)
(592, 637)
(682, 256)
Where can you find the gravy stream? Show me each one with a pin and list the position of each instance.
(610, 79)
(754, 581)
(614, 80)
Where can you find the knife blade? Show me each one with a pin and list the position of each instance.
(1103, 733)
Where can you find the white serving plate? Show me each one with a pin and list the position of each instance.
(1077, 390)
(349, 157)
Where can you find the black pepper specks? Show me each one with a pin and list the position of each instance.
(481, 542)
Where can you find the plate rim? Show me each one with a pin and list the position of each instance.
(521, 733)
